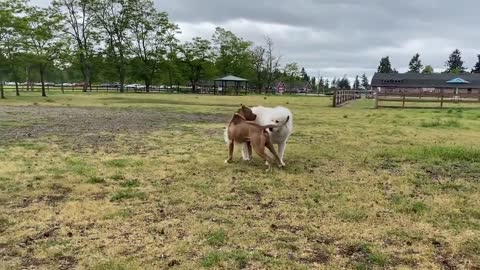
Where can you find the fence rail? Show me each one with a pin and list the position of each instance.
(440, 96)
(340, 97)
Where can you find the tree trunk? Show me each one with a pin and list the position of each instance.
(2, 94)
(147, 86)
(17, 90)
(42, 79)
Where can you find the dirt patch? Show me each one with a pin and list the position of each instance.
(89, 127)
(66, 262)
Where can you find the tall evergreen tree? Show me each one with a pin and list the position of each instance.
(344, 84)
(304, 75)
(454, 63)
(327, 84)
(356, 83)
(365, 82)
(334, 83)
(415, 64)
(476, 68)
(385, 65)
(321, 84)
(313, 83)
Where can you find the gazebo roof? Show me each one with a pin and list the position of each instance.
(231, 78)
(458, 80)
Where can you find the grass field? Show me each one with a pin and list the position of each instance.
(137, 181)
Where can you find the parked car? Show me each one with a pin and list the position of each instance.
(68, 84)
(9, 83)
(110, 85)
(135, 86)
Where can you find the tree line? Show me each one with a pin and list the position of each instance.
(97, 41)
(454, 65)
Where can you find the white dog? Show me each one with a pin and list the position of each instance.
(280, 116)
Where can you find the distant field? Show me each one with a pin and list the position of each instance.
(137, 181)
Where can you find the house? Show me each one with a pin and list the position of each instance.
(447, 83)
(293, 87)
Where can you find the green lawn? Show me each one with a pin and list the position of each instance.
(137, 181)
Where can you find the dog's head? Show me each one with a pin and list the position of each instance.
(280, 122)
(247, 113)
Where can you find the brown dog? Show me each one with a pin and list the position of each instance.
(241, 130)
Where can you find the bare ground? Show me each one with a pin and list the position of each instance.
(88, 127)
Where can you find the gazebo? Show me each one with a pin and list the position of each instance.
(225, 81)
(456, 82)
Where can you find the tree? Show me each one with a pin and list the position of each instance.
(385, 65)
(43, 41)
(11, 27)
(476, 68)
(304, 75)
(113, 17)
(292, 71)
(259, 63)
(327, 84)
(272, 61)
(454, 63)
(321, 84)
(356, 83)
(233, 53)
(313, 83)
(78, 19)
(415, 64)
(152, 33)
(197, 57)
(344, 83)
(334, 83)
(427, 70)
(365, 82)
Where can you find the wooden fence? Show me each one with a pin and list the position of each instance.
(340, 97)
(441, 96)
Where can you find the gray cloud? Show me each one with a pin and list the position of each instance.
(337, 37)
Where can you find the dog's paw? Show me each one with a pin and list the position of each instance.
(228, 161)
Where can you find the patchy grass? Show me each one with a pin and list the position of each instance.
(138, 181)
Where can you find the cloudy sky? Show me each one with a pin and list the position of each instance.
(337, 37)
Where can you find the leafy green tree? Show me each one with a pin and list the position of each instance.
(197, 57)
(152, 33)
(292, 72)
(233, 54)
(78, 23)
(385, 65)
(427, 70)
(454, 63)
(43, 41)
(415, 64)
(113, 18)
(11, 27)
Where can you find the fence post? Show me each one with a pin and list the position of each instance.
(376, 98)
(441, 99)
(403, 102)
(334, 98)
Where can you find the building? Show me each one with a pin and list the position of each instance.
(447, 83)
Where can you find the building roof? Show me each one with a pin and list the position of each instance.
(435, 80)
(231, 78)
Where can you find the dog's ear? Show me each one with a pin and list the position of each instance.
(288, 118)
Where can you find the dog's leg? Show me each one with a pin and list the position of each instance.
(247, 151)
(230, 152)
(270, 147)
(281, 151)
(259, 148)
